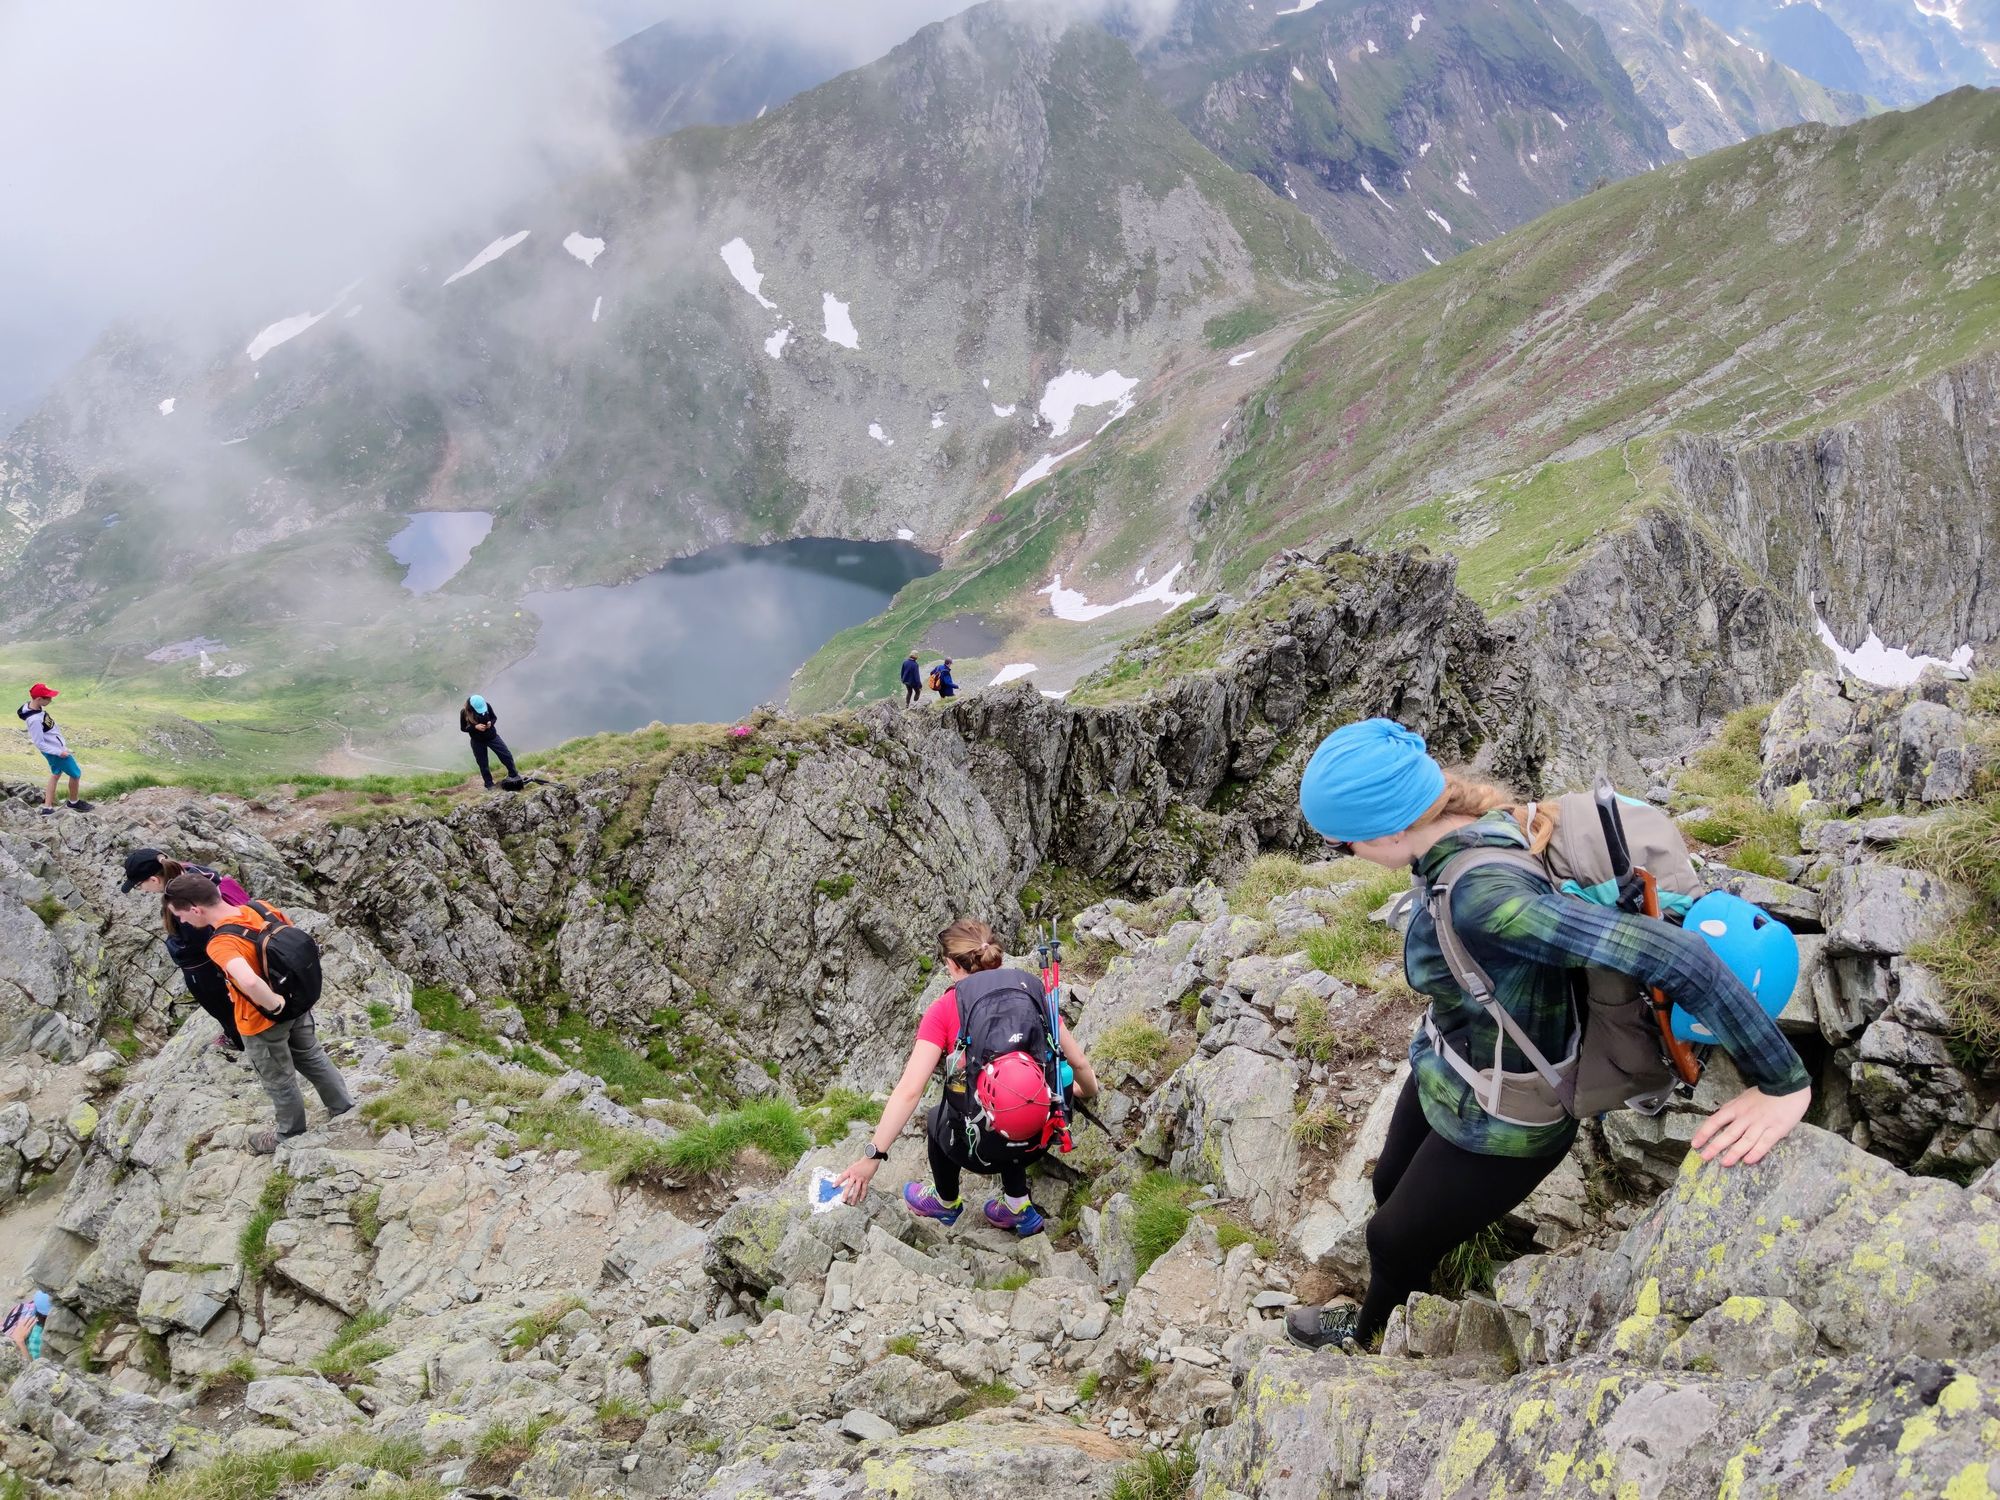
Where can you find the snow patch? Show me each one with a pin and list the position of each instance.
(1438, 219)
(875, 431)
(1416, 23)
(1140, 576)
(1242, 359)
(1288, 188)
(937, 420)
(904, 534)
(1333, 70)
(1712, 99)
(1559, 119)
(1299, 9)
(290, 328)
(1042, 467)
(1003, 411)
(1535, 156)
(1369, 188)
(1464, 185)
(1074, 390)
(1372, 48)
(1012, 670)
(742, 263)
(775, 344)
(1068, 604)
(583, 248)
(167, 407)
(839, 326)
(1297, 74)
(1423, 150)
(1559, 44)
(1406, 182)
(487, 256)
(1886, 666)
(1430, 257)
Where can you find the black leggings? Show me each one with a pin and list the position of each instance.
(1430, 1197)
(498, 747)
(949, 1157)
(211, 992)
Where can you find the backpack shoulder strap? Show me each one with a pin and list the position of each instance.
(1467, 970)
(271, 918)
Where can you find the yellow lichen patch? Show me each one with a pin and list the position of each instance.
(895, 1479)
(1743, 1309)
(1717, 1254)
(1610, 1385)
(1467, 1450)
(1733, 1474)
(1917, 1431)
(1960, 1397)
(1855, 1423)
(1555, 1469)
(1840, 1481)
(1649, 1298)
(1789, 1224)
(1526, 1415)
(1765, 1244)
(1969, 1483)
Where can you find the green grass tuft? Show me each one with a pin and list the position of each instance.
(828, 1120)
(252, 1247)
(1469, 1266)
(1134, 1043)
(529, 1330)
(1159, 1216)
(904, 1344)
(352, 1350)
(771, 1125)
(1157, 1476)
(1963, 847)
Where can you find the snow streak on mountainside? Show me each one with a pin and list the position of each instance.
(1487, 113)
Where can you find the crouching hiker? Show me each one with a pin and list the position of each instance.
(24, 1322)
(1002, 1071)
(151, 871)
(1495, 944)
(274, 981)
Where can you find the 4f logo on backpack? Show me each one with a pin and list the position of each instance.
(1004, 1080)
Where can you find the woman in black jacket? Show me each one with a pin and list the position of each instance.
(149, 870)
(477, 720)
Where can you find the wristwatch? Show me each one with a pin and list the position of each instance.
(875, 1153)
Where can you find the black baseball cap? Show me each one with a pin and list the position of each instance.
(140, 864)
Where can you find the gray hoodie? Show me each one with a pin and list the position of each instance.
(42, 730)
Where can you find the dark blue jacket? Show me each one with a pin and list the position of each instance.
(946, 687)
(911, 676)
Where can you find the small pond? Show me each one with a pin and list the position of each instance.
(705, 639)
(436, 544)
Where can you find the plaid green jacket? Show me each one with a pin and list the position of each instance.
(1526, 935)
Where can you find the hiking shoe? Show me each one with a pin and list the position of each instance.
(1325, 1327)
(925, 1205)
(48, 812)
(265, 1143)
(1027, 1222)
(82, 806)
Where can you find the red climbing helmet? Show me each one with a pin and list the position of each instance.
(1013, 1090)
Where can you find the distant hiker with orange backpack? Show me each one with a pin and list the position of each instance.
(274, 979)
(940, 680)
(1524, 923)
(1002, 1083)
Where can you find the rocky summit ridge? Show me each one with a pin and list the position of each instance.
(604, 1032)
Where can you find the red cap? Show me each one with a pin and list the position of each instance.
(41, 690)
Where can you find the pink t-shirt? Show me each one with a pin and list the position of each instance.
(940, 1022)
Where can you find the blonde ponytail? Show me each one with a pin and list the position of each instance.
(1467, 796)
(971, 945)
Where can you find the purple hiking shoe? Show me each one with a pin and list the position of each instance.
(1025, 1223)
(925, 1205)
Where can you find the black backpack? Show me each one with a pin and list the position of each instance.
(287, 959)
(1001, 1012)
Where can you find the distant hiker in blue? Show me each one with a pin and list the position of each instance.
(913, 681)
(477, 721)
(42, 732)
(941, 682)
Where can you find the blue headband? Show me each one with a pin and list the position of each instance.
(1369, 780)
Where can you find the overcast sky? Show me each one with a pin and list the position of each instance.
(225, 163)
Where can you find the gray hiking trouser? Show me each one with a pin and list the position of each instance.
(284, 1053)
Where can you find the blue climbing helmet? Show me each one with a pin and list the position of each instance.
(1755, 946)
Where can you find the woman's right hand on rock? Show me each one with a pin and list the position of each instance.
(854, 1181)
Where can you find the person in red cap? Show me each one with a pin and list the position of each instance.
(985, 1080)
(55, 749)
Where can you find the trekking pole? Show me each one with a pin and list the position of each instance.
(1639, 890)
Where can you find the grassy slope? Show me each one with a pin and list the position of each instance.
(1756, 292)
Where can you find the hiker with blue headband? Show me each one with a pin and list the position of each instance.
(477, 720)
(1504, 973)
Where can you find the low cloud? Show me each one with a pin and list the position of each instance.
(222, 163)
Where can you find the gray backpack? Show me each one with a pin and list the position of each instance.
(1614, 1058)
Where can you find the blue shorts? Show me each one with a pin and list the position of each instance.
(63, 765)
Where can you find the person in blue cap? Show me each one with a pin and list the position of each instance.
(478, 720)
(1447, 1168)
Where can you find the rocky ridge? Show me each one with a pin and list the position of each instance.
(499, 1281)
